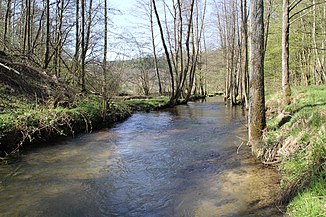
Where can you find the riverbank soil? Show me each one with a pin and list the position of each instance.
(295, 142)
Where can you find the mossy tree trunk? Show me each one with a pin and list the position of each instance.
(256, 119)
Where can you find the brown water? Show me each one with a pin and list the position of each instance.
(177, 162)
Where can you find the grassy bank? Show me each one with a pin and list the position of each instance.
(26, 123)
(295, 142)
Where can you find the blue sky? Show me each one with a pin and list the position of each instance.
(124, 6)
(126, 18)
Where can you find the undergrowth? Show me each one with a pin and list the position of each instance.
(297, 146)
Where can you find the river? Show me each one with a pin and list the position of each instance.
(181, 161)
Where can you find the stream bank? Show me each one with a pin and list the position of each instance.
(31, 124)
(294, 142)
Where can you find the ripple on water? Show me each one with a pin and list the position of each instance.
(178, 162)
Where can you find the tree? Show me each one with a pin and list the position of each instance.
(285, 55)
(181, 41)
(166, 51)
(48, 36)
(244, 25)
(104, 93)
(256, 117)
(154, 48)
(83, 47)
(7, 24)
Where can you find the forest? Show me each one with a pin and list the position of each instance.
(68, 66)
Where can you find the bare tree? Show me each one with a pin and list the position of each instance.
(167, 54)
(154, 48)
(105, 50)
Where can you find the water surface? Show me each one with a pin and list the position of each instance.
(177, 162)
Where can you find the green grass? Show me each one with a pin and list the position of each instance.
(148, 103)
(310, 202)
(303, 169)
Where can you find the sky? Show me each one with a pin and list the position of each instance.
(124, 16)
(124, 6)
(127, 22)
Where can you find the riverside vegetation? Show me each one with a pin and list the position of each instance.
(295, 142)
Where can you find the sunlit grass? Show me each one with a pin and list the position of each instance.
(310, 202)
(304, 168)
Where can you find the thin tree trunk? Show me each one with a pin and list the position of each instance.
(77, 43)
(267, 21)
(318, 68)
(165, 49)
(246, 65)
(83, 48)
(48, 37)
(154, 49)
(105, 94)
(6, 24)
(285, 55)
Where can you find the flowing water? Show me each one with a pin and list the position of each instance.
(176, 162)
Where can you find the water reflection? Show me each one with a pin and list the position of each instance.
(177, 162)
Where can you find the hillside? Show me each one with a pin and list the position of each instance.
(295, 142)
(19, 79)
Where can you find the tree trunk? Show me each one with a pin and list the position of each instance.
(267, 22)
(6, 24)
(83, 49)
(318, 67)
(165, 48)
(77, 43)
(256, 121)
(154, 49)
(48, 37)
(104, 93)
(245, 44)
(285, 55)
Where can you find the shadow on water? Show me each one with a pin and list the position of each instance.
(178, 162)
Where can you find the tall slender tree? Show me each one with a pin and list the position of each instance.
(83, 48)
(7, 23)
(105, 50)
(285, 54)
(256, 117)
(154, 48)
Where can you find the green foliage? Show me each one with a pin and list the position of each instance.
(303, 137)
